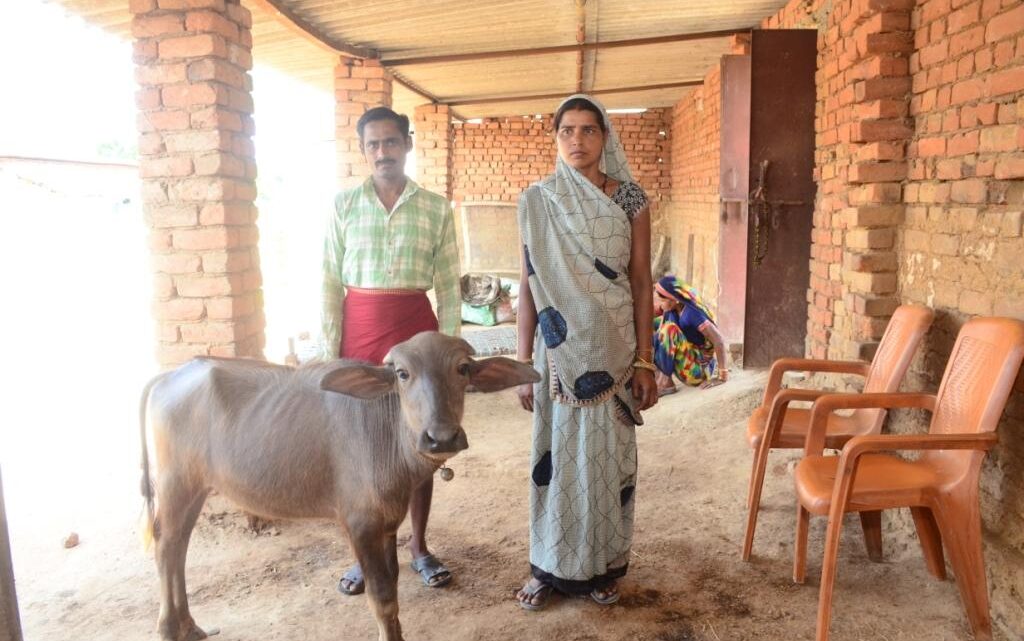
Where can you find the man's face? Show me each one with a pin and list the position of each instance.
(384, 148)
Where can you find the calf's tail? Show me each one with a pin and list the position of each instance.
(148, 526)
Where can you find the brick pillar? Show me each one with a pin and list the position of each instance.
(863, 130)
(433, 126)
(198, 175)
(359, 85)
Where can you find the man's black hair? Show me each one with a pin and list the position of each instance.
(383, 113)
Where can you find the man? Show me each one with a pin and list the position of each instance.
(388, 242)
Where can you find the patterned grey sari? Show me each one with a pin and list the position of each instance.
(577, 246)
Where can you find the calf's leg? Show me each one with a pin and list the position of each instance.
(178, 508)
(378, 556)
(188, 630)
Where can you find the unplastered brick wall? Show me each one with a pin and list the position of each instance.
(694, 205)
(862, 133)
(495, 160)
(433, 128)
(960, 248)
(196, 161)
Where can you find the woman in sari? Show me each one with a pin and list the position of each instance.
(586, 285)
(687, 343)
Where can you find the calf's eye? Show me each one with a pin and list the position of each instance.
(402, 375)
(464, 369)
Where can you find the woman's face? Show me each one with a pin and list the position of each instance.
(662, 305)
(580, 139)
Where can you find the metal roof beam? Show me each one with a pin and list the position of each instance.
(579, 47)
(562, 94)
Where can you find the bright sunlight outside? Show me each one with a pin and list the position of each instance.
(76, 333)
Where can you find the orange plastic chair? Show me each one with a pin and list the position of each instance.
(940, 487)
(786, 427)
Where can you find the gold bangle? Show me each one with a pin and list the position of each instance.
(642, 364)
(528, 361)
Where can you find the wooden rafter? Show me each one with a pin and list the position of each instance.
(579, 47)
(414, 88)
(581, 38)
(421, 92)
(297, 24)
(593, 92)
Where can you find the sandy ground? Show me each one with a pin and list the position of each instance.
(686, 581)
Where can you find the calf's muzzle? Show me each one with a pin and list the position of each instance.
(443, 440)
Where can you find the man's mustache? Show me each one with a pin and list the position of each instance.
(380, 163)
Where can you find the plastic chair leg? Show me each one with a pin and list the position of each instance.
(871, 523)
(960, 523)
(828, 576)
(803, 518)
(756, 485)
(931, 541)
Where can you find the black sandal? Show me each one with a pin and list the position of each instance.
(432, 571)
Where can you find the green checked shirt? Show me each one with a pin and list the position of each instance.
(413, 247)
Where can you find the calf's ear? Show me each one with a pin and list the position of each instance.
(360, 381)
(498, 373)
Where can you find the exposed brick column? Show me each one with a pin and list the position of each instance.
(198, 175)
(359, 85)
(863, 132)
(433, 126)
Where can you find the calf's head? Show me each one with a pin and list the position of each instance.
(430, 372)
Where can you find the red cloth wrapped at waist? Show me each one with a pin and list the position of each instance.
(375, 320)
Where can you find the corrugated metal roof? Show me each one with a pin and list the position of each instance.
(418, 28)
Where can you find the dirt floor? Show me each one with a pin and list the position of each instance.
(686, 581)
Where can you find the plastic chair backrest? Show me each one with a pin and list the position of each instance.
(977, 382)
(906, 329)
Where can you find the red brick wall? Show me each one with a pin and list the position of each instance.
(862, 132)
(964, 195)
(693, 210)
(960, 248)
(196, 161)
(433, 129)
(497, 159)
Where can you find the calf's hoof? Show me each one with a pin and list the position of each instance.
(194, 633)
(182, 631)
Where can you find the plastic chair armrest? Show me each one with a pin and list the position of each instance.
(825, 405)
(780, 403)
(783, 365)
(860, 445)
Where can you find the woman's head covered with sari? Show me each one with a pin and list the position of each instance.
(613, 157)
(672, 288)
